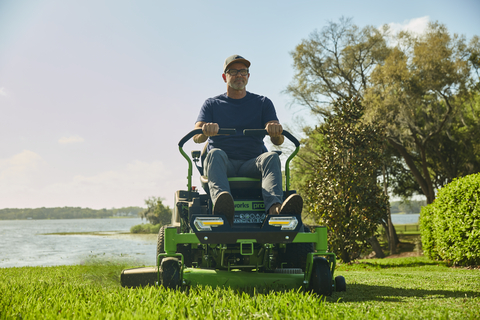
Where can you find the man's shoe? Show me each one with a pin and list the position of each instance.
(292, 205)
(224, 205)
(275, 208)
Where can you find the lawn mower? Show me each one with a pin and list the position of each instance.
(257, 249)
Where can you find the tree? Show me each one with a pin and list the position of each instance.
(335, 62)
(417, 92)
(416, 85)
(156, 212)
(343, 193)
(303, 165)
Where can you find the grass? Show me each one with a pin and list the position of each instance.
(408, 228)
(145, 228)
(403, 288)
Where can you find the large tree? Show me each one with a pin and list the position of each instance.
(416, 85)
(417, 93)
(335, 62)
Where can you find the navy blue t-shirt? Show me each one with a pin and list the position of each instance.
(251, 112)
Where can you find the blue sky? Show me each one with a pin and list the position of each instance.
(94, 95)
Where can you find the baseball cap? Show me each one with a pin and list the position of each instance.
(235, 58)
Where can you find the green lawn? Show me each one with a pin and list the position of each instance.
(403, 288)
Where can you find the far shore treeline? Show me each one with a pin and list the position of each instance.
(68, 213)
(398, 207)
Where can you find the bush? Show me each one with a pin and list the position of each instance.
(450, 226)
(145, 228)
(156, 212)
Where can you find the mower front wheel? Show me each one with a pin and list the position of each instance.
(340, 284)
(321, 279)
(170, 275)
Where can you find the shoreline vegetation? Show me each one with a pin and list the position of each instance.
(396, 207)
(68, 213)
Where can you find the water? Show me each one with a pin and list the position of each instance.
(405, 218)
(24, 242)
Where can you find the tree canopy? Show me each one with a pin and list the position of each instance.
(156, 212)
(423, 88)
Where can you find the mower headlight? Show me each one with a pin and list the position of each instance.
(287, 223)
(206, 223)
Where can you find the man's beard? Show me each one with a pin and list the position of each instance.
(240, 85)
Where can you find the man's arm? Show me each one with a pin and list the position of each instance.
(209, 130)
(274, 129)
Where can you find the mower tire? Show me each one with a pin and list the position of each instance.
(170, 276)
(340, 284)
(161, 242)
(321, 279)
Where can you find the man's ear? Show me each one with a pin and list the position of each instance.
(224, 77)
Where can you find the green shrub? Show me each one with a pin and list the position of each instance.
(450, 226)
(145, 228)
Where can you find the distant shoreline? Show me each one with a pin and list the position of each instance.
(75, 218)
(68, 213)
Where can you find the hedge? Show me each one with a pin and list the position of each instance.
(450, 226)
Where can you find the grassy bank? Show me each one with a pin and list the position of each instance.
(409, 288)
(145, 228)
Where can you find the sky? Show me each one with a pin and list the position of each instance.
(95, 95)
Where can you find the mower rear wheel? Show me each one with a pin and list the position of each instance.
(340, 284)
(161, 242)
(321, 279)
(170, 275)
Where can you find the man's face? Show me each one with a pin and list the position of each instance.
(237, 82)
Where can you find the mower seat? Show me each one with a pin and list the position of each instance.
(240, 187)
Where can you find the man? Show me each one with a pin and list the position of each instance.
(240, 155)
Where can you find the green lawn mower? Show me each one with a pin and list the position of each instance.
(258, 249)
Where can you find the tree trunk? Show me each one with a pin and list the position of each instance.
(395, 237)
(391, 230)
(376, 247)
(426, 186)
(345, 256)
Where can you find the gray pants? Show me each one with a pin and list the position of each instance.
(266, 166)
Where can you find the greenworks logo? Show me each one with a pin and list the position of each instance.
(258, 206)
(249, 206)
(241, 206)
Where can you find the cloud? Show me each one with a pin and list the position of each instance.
(3, 92)
(416, 25)
(71, 139)
(126, 185)
(19, 170)
(19, 163)
(123, 186)
(136, 175)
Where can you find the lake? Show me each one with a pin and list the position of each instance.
(31, 242)
(78, 241)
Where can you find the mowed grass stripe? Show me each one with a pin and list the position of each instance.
(404, 288)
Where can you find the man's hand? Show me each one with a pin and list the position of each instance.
(274, 130)
(209, 130)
